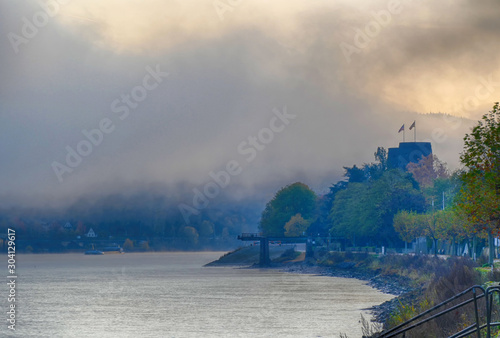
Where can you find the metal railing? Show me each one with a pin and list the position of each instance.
(477, 327)
(250, 235)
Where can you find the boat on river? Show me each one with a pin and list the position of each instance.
(94, 252)
(114, 249)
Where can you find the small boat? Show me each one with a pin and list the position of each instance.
(94, 252)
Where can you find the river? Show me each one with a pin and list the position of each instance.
(173, 295)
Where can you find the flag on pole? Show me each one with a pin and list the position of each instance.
(402, 128)
(412, 125)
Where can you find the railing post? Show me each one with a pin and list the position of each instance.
(488, 299)
(478, 327)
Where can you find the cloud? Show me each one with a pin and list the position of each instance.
(225, 78)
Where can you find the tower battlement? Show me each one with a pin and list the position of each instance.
(408, 152)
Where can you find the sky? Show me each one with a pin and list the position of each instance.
(101, 97)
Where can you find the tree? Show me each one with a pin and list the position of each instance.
(479, 197)
(355, 174)
(377, 169)
(128, 245)
(428, 223)
(450, 226)
(345, 215)
(296, 226)
(206, 229)
(81, 229)
(411, 225)
(381, 158)
(439, 225)
(407, 226)
(321, 226)
(371, 171)
(293, 199)
(427, 170)
(366, 210)
(190, 235)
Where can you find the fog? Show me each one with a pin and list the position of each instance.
(172, 91)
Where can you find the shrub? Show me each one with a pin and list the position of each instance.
(449, 277)
(145, 246)
(128, 245)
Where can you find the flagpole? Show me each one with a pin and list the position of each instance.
(414, 126)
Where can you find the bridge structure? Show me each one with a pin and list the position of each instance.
(264, 259)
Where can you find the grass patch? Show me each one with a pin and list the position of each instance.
(288, 255)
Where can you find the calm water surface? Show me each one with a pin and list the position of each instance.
(172, 295)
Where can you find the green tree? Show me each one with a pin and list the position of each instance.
(293, 199)
(372, 171)
(479, 197)
(377, 169)
(355, 174)
(206, 229)
(190, 235)
(345, 213)
(296, 226)
(321, 226)
(366, 210)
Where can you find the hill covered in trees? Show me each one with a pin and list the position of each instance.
(140, 215)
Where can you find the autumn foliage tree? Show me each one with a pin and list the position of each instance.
(427, 170)
(440, 225)
(479, 198)
(296, 226)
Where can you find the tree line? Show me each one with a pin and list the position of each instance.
(141, 215)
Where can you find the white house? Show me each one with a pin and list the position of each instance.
(91, 233)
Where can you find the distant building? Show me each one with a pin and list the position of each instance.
(407, 152)
(91, 233)
(68, 226)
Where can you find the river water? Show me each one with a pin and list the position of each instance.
(172, 295)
